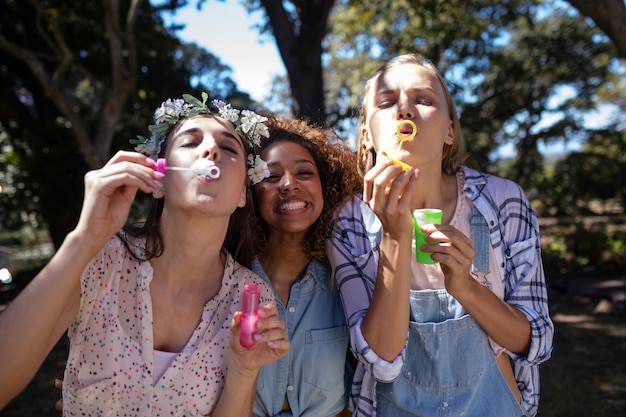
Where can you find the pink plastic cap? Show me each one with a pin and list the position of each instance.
(161, 164)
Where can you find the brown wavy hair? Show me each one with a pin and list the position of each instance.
(453, 155)
(239, 236)
(339, 176)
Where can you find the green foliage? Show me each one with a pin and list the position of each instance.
(581, 177)
(583, 243)
(46, 164)
(507, 62)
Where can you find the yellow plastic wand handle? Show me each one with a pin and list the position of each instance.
(395, 161)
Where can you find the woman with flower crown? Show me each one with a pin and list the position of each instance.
(153, 311)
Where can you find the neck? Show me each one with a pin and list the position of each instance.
(436, 191)
(192, 252)
(283, 260)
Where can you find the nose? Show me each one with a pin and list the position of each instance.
(288, 183)
(405, 109)
(210, 150)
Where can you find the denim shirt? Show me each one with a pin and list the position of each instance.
(313, 374)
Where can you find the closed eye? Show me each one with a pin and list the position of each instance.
(229, 148)
(385, 103)
(272, 178)
(305, 174)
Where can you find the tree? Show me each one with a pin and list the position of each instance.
(299, 28)
(610, 16)
(53, 63)
(75, 85)
(505, 62)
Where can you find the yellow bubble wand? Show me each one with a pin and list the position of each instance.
(403, 138)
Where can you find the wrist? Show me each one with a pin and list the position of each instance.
(466, 293)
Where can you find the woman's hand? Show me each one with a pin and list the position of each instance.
(454, 251)
(387, 189)
(271, 339)
(110, 191)
(58, 384)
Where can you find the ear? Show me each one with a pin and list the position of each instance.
(242, 198)
(366, 140)
(158, 193)
(449, 140)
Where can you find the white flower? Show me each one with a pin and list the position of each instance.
(261, 130)
(258, 169)
(226, 111)
(150, 147)
(250, 126)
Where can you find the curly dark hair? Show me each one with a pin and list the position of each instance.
(338, 171)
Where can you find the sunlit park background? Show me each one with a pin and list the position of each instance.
(540, 85)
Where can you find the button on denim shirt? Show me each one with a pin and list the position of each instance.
(313, 374)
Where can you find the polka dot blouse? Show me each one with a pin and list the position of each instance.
(110, 364)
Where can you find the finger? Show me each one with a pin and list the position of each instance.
(119, 178)
(370, 176)
(273, 337)
(402, 188)
(382, 185)
(130, 156)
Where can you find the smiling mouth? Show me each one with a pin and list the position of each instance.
(291, 206)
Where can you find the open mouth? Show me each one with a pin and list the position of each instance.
(406, 130)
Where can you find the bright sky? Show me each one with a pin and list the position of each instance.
(226, 30)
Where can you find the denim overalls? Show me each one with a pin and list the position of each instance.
(449, 368)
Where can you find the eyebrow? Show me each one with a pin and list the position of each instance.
(297, 161)
(393, 90)
(224, 132)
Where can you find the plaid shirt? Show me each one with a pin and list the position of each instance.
(514, 235)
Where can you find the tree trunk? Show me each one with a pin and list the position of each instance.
(609, 16)
(300, 46)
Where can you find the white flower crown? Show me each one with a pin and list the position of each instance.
(248, 125)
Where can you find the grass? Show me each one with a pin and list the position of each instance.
(586, 375)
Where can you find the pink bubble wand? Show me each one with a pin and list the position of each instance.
(211, 172)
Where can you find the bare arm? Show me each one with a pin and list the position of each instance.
(504, 323)
(387, 319)
(37, 318)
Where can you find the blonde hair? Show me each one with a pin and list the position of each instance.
(453, 155)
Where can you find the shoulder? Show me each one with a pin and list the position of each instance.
(354, 214)
(237, 275)
(497, 188)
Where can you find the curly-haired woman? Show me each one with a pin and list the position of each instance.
(311, 173)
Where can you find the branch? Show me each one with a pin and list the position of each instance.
(609, 16)
(124, 78)
(52, 87)
(63, 51)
